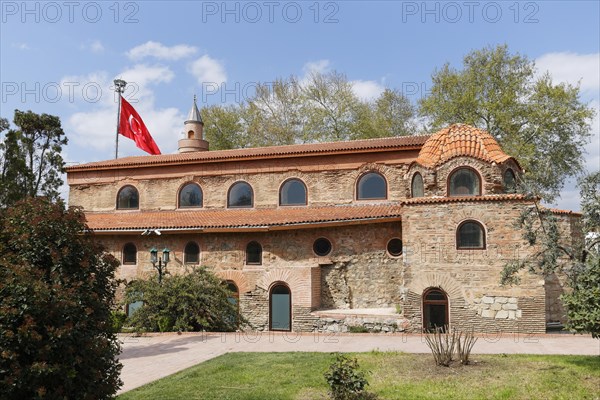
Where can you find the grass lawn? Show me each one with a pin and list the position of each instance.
(274, 376)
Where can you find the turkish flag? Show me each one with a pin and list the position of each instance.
(132, 126)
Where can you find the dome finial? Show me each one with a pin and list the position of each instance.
(194, 115)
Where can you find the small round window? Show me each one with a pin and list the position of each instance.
(322, 247)
(394, 247)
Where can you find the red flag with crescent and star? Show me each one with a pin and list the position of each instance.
(132, 126)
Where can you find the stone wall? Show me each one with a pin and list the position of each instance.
(470, 278)
(368, 280)
(360, 323)
(328, 181)
(359, 273)
(435, 181)
(372, 276)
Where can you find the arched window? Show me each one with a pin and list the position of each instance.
(371, 186)
(322, 247)
(464, 182)
(417, 186)
(470, 235)
(128, 198)
(190, 195)
(254, 253)
(191, 253)
(240, 195)
(510, 181)
(129, 254)
(292, 193)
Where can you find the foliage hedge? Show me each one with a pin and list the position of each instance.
(56, 291)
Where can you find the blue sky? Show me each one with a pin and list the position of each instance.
(61, 57)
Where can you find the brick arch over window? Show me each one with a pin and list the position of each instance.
(437, 280)
(236, 277)
(290, 278)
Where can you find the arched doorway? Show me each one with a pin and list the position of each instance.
(435, 309)
(280, 308)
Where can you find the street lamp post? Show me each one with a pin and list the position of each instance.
(160, 263)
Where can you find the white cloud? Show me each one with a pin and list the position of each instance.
(92, 130)
(96, 130)
(20, 46)
(572, 68)
(144, 74)
(208, 70)
(97, 47)
(367, 90)
(319, 66)
(160, 51)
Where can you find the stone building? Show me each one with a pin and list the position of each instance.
(392, 234)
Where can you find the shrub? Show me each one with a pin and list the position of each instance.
(345, 381)
(57, 288)
(357, 329)
(442, 344)
(464, 345)
(194, 302)
(118, 319)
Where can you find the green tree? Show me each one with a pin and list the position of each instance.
(31, 157)
(543, 125)
(56, 291)
(577, 256)
(321, 108)
(583, 302)
(393, 115)
(197, 301)
(274, 114)
(330, 106)
(224, 127)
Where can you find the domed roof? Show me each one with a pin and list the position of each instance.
(460, 140)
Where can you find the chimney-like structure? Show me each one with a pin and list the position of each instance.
(194, 127)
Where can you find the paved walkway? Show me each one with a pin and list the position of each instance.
(155, 356)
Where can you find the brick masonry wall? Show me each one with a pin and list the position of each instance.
(330, 181)
(435, 181)
(359, 273)
(373, 276)
(469, 276)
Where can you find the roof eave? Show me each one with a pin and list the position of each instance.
(248, 228)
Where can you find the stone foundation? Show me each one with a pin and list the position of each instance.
(336, 323)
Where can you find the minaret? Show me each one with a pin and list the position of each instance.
(194, 127)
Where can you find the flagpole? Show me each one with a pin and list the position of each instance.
(119, 88)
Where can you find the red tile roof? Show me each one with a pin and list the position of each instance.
(353, 146)
(460, 140)
(211, 220)
(490, 197)
(569, 212)
(251, 219)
